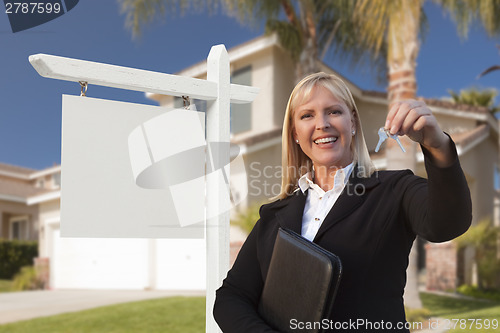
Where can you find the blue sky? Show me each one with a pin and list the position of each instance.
(30, 111)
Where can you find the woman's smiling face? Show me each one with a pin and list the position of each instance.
(324, 127)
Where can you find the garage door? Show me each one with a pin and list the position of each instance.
(180, 264)
(93, 263)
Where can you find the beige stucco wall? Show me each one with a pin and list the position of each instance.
(286, 81)
(271, 73)
(263, 174)
(453, 124)
(372, 117)
(263, 78)
(478, 164)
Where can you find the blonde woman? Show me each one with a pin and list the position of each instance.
(332, 195)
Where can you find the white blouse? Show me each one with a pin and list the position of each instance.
(319, 202)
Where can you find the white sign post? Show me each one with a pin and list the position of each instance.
(219, 93)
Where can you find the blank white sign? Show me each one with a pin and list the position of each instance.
(99, 195)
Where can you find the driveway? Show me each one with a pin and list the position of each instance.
(25, 305)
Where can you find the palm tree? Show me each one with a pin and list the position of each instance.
(307, 29)
(397, 25)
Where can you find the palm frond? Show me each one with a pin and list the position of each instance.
(340, 38)
(348, 49)
(254, 11)
(489, 70)
(139, 13)
(288, 36)
(467, 12)
(372, 17)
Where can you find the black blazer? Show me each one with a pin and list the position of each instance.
(371, 228)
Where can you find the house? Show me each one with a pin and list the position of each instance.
(30, 210)
(23, 196)
(256, 130)
(22, 190)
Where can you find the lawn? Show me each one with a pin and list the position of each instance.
(5, 285)
(187, 314)
(471, 313)
(173, 314)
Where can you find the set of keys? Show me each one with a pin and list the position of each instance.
(383, 134)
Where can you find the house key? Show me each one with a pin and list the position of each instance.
(383, 134)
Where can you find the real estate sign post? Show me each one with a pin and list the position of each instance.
(218, 92)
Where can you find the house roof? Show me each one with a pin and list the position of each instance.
(23, 173)
(16, 183)
(469, 139)
(466, 137)
(15, 171)
(436, 102)
(455, 106)
(18, 191)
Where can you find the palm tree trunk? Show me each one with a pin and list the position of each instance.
(308, 62)
(403, 51)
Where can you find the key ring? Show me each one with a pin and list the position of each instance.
(84, 86)
(186, 102)
(383, 134)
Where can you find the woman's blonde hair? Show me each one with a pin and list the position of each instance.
(293, 160)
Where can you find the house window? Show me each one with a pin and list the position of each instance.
(241, 114)
(40, 183)
(19, 228)
(56, 180)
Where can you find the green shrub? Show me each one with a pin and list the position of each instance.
(483, 237)
(247, 219)
(417, 315)
(14, 255)
(5, 286)
(474, 291)
(27, 279)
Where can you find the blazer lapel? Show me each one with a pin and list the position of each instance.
(290, 216)
(351, 198)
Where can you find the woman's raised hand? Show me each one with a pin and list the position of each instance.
(415, 120)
